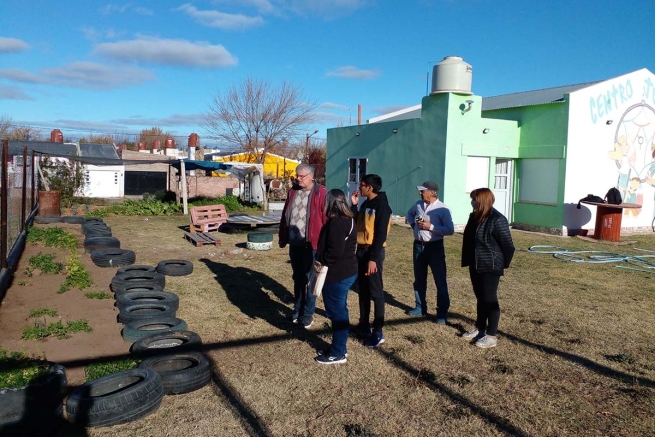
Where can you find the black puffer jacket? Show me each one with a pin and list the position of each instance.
(488, 245)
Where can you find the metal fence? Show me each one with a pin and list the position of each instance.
(18, 205)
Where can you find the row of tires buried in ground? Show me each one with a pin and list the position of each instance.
(171, 358)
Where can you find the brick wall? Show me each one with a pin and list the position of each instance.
(206, 186)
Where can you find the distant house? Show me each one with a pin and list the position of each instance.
(103, 176)
(275, 166)
(539, 151)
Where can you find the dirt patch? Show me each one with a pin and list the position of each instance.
(40, 291)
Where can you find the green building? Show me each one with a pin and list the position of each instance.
(539, 151)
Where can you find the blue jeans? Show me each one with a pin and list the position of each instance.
(431, 255)
(302, 258)
(335, 296)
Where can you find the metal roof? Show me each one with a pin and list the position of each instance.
(530, 98)
(513, 100)
(87, 150)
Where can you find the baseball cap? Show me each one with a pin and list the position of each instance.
(428, 185)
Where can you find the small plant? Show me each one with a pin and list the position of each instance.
(98, 295)
(98, 370)
(40, 312)
(18, 370)
(63, 175)
(77, 276)
(52, 237)
(57, 329)
(24, 283)
(44, 263)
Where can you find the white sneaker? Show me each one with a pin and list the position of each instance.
(470, 335)
(486, 342)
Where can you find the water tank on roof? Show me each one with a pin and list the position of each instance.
(452, 75)
(194, 140)
(156, 145)
(56, 136)
(169, 143)
(142, 145)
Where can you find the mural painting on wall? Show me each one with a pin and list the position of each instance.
(634, 146)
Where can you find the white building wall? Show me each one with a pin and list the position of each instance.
(611, 143)
(104, 181)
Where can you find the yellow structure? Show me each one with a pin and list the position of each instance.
(275, 166)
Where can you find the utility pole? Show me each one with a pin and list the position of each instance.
(307, 137)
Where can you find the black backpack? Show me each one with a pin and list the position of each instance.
(613, 196)
(591, 198)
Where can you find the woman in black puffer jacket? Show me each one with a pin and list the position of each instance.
(487, 250)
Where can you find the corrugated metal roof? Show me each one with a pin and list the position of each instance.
(530, 98)
(106, 151)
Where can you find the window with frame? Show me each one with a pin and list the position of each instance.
(539, 181)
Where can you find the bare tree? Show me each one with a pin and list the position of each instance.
(149, 136)
(23, 133)
(5, 126)
(258, 118)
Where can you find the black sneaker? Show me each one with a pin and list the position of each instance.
(306, 321)
(329, 359)
(361, 332)
(327, 352)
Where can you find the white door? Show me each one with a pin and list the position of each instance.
(356, 169)
(503, 187)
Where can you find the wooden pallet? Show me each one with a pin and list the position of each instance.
(202, 238)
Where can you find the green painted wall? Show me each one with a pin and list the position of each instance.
(420, 150)
(544, 131)
(404, 160)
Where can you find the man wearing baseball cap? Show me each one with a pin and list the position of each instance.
(431, 221)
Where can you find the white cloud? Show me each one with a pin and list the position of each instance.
(326, 8)
(171, 120)
(8, 92)
(93, 34)
(12, 45)
(168, 52)
(19, 75)
(89, 75)
(221, 20)
(333, 106)
(126, 8)
(351, 72)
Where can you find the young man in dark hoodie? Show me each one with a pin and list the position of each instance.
(373, 220)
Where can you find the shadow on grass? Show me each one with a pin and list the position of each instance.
(577, 359)
(255, 302)
(249, 291)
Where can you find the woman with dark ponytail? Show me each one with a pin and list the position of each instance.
(336, 250)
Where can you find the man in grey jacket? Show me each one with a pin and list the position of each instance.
(431, 221)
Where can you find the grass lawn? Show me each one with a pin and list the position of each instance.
(575, 354)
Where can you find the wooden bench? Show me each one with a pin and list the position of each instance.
(207, 218)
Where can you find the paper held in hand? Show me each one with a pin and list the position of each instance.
(317, 278)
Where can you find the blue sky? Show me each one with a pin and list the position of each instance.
(86, 66)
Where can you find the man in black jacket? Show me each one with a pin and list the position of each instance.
(373, 223)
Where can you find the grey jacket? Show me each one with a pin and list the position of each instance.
(488, 245)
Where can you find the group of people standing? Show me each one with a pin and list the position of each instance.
(319, 225)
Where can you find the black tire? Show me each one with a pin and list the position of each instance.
(140, 311)
(260, 237)
(124, 300)
(93, 243)
(93, 225)
(135, 268)
(175, 267)
(46, 219)
(117, 398)
(166, 343)
(182, 372)
(35, 409)
(112, 257)
(75, 219)
(93, 220)
(143, 328)
(98, 232)
(120, 282)
(137, 287)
